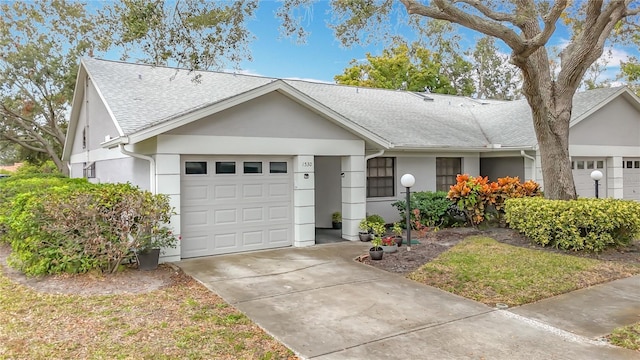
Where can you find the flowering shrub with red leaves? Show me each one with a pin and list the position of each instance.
(476, 195)
(388, 241)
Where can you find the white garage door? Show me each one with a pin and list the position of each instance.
(234, 204)
(631, 178)
(585, 186)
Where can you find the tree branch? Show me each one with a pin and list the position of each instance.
(445, 10)
(486, 11)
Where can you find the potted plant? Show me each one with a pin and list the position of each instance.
(389, 244)
(376, 251)
(365, 230)
(397, 231)
(336, 220)
(148, 247)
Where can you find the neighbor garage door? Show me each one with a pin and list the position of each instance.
(234, 204)
(582, 168)
(631, 178)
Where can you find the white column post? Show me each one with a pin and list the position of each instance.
(615, 178)
(304, 227)
(354, 195)
(168, 183)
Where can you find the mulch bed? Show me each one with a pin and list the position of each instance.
(437, 242)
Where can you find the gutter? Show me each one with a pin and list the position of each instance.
(525, 155)
(152, 166)
(379, 153)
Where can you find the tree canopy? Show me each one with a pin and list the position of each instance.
(525, 26)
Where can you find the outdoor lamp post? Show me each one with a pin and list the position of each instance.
(596, 175)
(407, 180)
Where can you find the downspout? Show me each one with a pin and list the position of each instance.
(374, 155)
(152, 166)
(525, 155)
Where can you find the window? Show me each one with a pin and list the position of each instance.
(600, 164)
(225, 167)
(589, 164)
(629, 164)
(277, 167)
(195, 167)
(636, 164)
(446, 171)
(253, 167)
(89, 171)
(84, 138)
(580, 165)
(380, 177)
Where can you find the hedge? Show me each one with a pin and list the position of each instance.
(73, 226)
(435, 208)
(583, 224)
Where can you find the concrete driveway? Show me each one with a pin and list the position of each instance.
(323, 305)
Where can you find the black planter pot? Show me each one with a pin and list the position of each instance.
(375, 253)
(398, 240)
(336, 225)
(365, 236)
(148, 259)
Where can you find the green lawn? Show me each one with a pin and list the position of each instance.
(627, 337)
(490, 272)
(182, 321)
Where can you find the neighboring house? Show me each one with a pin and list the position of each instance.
(254, 163)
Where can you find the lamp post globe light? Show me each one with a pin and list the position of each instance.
(596, 175)
(408, 180)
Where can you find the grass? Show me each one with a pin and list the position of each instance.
(627, 337)
(490, 272)
(182, 321)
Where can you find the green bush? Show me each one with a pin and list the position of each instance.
(75, 228)
(435, 209)
(375, 219)
(583, 224)
(22, 184)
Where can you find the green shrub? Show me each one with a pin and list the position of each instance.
(22, 184)
(435, 209)
(583, 224)
(47, 167)
(375, 219)
(78, 227)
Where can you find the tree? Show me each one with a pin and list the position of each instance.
(525, 26)
(40, 47)
(198, 34)
(41, 43)
(495, 77)
(630, 72)
(399, 67)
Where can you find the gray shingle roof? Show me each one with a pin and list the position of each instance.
(141, 96)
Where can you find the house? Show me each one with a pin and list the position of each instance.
(255, 163)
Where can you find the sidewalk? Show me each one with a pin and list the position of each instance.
(323, 305)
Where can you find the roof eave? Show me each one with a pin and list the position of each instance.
(277, 85)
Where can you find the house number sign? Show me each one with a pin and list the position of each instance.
(307, 164)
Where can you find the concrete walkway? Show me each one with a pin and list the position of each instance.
(323, 305)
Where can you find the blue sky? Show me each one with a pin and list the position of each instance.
(322, 57)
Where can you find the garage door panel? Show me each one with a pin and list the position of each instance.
(225, 192)
(252, 215)
(582, 168)
(278, 236)
(196, 192)
(193, 217)
(279, 213)
(228, 213)
(252, 191)
(253, 238)
(197, 245)
(225, 217)
(228, 241)
(631, 178)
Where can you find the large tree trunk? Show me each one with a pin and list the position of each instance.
(551, 104)
(552, 132)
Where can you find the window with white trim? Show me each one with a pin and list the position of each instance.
(381, 177)
(447, 169)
